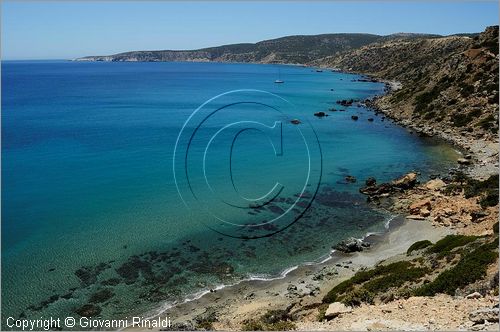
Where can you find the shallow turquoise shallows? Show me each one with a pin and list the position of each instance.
(90, 209)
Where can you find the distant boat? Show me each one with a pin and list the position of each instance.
(279, 77)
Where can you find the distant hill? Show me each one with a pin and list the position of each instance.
(449, 83)
(300, 49)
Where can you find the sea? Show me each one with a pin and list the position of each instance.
(128, 187)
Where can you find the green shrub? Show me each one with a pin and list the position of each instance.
(466, 90)
(395, 279)
(252, 325)
(357, 297)
(274, 316)
(273, 320)
(418, 246)
(281, 326)
(475, 187)
(450, 242)
(205, 323)
(487, 123)
(365, 284)
(470, 268)
(430, 115)
(460, 120)
(322, 311)
(489, 199)
(452, 188)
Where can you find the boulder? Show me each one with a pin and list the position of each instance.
(407, 181)
(320, 114)
(354, 117)
(418, 206)
(475, 295)
(351, 245)
(484, 315)
(435, 184)
(477, 215)
(463, 161)
(335, 309)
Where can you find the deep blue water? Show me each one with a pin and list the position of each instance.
(89, 200)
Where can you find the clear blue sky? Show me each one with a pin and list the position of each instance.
(57, 30)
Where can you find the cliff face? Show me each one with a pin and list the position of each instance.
(449, 84)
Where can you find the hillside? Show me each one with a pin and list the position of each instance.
(291, 49)
(449, 88)
(449, 82)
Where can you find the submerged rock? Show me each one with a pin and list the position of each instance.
(295, 121)
(101, 296)
(88, 310)
(354, 117)
(320, 114)
(350, 178)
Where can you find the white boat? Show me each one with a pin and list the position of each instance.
(279, 77)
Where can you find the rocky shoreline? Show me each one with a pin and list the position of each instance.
(428, 212)
(480, 156)
(301, 290)
(449, 282)
(298, 296)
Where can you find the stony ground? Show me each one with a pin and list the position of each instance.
(441, 312)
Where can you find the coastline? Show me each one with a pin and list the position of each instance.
(300, 287)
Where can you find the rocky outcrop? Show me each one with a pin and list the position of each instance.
(351, 245)
(407, 181)
(484, 315)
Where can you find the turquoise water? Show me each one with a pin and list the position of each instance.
(89, 200)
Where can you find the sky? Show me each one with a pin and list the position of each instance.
(70, 29)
